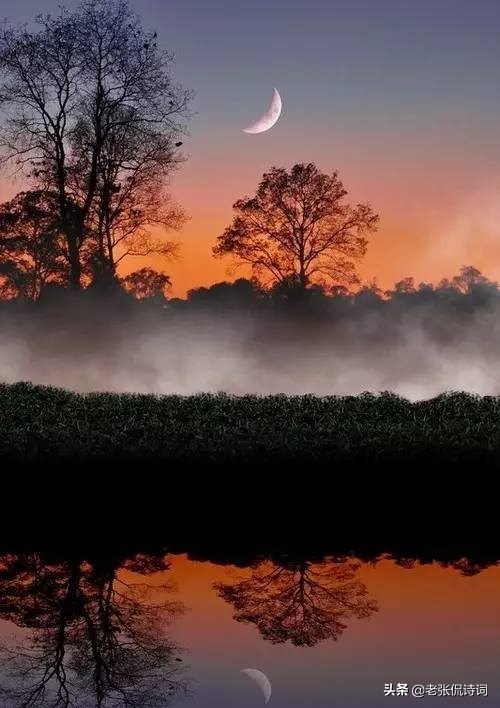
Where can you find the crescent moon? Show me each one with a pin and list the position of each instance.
(261, 680)
(269, 118)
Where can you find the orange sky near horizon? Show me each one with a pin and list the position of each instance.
(416, 237)
(434, 216)
(428, 228)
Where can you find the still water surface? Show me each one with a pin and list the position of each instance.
(153, 631)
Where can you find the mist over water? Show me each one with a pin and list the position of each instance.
(415, 345)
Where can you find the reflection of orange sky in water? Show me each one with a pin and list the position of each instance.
(434, 625)
(428, 603)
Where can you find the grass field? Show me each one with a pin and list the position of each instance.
(38, 423)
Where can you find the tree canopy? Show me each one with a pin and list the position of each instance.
(298, 229)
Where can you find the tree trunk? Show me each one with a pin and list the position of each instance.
(303, 279)
(75, 267)
(68, 224)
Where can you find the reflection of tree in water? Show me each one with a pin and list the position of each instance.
(93, 639)
(299, 601)
(465, 566)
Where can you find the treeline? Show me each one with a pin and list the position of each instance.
(469, 288)
(150, 288)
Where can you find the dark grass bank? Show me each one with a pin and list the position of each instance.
(46, 424)
(110, 471)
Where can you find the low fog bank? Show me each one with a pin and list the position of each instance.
(417, 344)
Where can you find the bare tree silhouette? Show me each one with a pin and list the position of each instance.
(92, 113)
(94, 639)
(299, 601)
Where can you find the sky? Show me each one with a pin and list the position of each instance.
(402, 97)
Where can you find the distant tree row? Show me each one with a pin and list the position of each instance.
(470, 288)
(470, 284)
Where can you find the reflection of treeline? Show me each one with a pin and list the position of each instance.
(467, 559)
(244, 550)
(93, 635)
(95, 629)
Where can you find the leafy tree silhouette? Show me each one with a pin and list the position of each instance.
(31, 250)
(299, 229)
(147, 283)
(241, 293)
(299, 601)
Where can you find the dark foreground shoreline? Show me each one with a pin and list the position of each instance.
(39, 424)
(105, 471)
